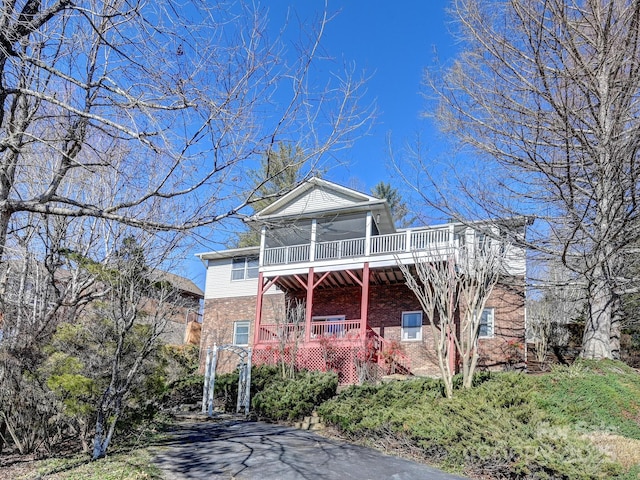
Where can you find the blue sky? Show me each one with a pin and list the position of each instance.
(392, 42)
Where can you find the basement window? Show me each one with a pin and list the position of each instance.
(486, 328)
(411, 326)
(241, 332)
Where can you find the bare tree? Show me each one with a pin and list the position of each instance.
(135, 299)
(290, 317)
(143, 114)
(453, 288)
(553, 306)
(434, 284)
(169, 102)
(547, 95)
(39, 291)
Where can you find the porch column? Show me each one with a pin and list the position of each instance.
(263, 234)
(308, 306)
(367, 235)
(312, 243)
(364, 300)
(452, 234)
(256, 324)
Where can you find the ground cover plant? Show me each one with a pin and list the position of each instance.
(510, 425)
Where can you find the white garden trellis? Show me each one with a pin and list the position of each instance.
(244, 377)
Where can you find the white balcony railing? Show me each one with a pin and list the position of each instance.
(440, 239)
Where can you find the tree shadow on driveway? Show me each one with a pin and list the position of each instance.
(255, 450)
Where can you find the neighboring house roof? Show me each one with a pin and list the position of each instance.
(317, 196)
(181, 283)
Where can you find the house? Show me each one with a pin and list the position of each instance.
(331, 254)
(184, 326)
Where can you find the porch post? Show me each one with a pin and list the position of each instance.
(263, 234)
(308, 307)
(452, 234)
(367, 235)
(364, 300)
(256, 324)
(312, 243)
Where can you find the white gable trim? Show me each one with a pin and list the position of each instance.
(321, 195)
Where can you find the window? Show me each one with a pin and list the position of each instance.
(486, 323)
(241, 332)
(411, 325)
(244, 268)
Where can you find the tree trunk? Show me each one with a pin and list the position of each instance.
(596, 342)
(616, 327)
(99, 440)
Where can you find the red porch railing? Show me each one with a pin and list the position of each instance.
(337, 346)
(341, 330)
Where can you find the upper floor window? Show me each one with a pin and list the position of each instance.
(486, 328)
(411, 326)
(244, 267)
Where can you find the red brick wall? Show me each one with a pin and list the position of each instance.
(386, 304)
(507, 348)
(219, 317)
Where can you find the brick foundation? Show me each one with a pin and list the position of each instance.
(219, 317)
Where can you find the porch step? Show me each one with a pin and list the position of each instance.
(310, 423)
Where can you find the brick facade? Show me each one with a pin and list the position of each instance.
(218, 322)
(386, 304)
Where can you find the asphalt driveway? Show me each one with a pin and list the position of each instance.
(235, 449)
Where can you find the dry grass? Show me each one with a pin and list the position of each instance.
(625, 451)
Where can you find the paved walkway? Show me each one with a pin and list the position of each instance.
(234, 449)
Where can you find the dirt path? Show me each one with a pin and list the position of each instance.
(235, 449)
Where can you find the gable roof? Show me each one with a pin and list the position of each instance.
(318, 197)
(179, 282)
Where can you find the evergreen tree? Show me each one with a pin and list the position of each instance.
(399, 209)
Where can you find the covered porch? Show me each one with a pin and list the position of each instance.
(334, 332)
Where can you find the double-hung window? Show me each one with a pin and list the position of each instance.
(486, 328)
(244, 268)
(411, 326)
(241, 332)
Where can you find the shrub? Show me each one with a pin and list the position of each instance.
(296, 398)
(509, 425)
(226, 385)
(187, 390)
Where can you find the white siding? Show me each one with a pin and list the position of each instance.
(515, 260)
(219, 284)
(316, 200)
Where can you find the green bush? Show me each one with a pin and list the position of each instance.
(509, 425)
(296, 398)
(226, 385)
(187, 390)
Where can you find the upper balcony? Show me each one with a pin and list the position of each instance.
(442, 239)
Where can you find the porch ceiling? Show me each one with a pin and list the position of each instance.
(340, 278)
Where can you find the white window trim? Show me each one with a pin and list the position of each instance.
(244, 269)
(402, 328)
(235, 331)
(492, 317)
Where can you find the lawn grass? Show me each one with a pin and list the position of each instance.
(510, 425)
(135, 464)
